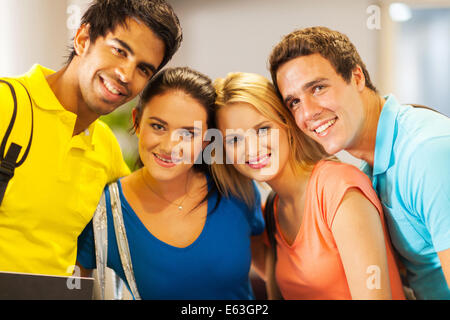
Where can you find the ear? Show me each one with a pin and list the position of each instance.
(134, 114)
(359, 78)
(81, 40)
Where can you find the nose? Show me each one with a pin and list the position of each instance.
(168, 143)
(125, 72)
(308, 111)
(254, 144)
(173, 146)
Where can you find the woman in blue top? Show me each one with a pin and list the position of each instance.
(186, 241)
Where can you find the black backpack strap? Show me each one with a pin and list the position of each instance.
(270, 222)
(8, 162)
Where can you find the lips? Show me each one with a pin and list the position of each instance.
(112, 91)
(165, 161)
(322, 128)
(259, 162)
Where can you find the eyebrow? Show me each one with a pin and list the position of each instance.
(159, 120)
(261, 124)
(128, 48)
(305, 87)
(165, 123)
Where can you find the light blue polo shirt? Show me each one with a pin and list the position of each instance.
(411, 175)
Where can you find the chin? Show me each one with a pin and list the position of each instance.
(264, 177)
(333, 149)
(163, 176)
(102, 111)
(260, 175)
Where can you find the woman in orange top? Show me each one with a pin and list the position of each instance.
(331, 238)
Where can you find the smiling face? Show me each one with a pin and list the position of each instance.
(325, 106)
(257, 146)
(115, 68)
(170, 144)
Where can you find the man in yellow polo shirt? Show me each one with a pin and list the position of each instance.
(119, 46)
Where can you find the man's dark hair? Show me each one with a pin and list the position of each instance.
(332, 45)
(104, 16)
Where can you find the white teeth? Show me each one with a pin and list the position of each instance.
(110, 87)
(260, 160)
(325, 126)
(165, 160)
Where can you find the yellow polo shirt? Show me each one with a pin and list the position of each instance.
(53, 195)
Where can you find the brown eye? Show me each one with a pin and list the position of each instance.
(145, 71)
(294, 103)
(157, 126)
(119, 51)
(318, 89)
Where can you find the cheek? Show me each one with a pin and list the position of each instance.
(235, 154)
(147, 141)
(137, 86)
(196, 147)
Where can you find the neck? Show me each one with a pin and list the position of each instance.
(289, 184)
(169, 189)
(65, 87)
(364, 147)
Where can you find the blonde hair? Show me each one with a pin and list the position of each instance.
(258, 91)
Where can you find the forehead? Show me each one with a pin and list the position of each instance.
(303, 69)
(177, 108)
(239, 115)
(146, 45)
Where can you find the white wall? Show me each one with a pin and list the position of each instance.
(32, 32)
(238, 35)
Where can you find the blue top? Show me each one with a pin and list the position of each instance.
(411, 175)
(215, 266)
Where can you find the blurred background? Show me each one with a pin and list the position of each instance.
(405, 45)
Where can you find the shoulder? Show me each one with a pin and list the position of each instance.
(332, 181)
(425, 156)
(6, 102)
(232, 206)
(422, 150)
(107, 139)
(424, 173)
(9, 90)
(330, 175)
(418, 125)
(104, 131)
(16, 109)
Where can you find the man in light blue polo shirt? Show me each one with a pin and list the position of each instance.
(411, 173)
(406, 150)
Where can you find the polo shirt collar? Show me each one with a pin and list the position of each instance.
(40, 90)
(44, 97)
(386, 134)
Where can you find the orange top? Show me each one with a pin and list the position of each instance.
(311, 268)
